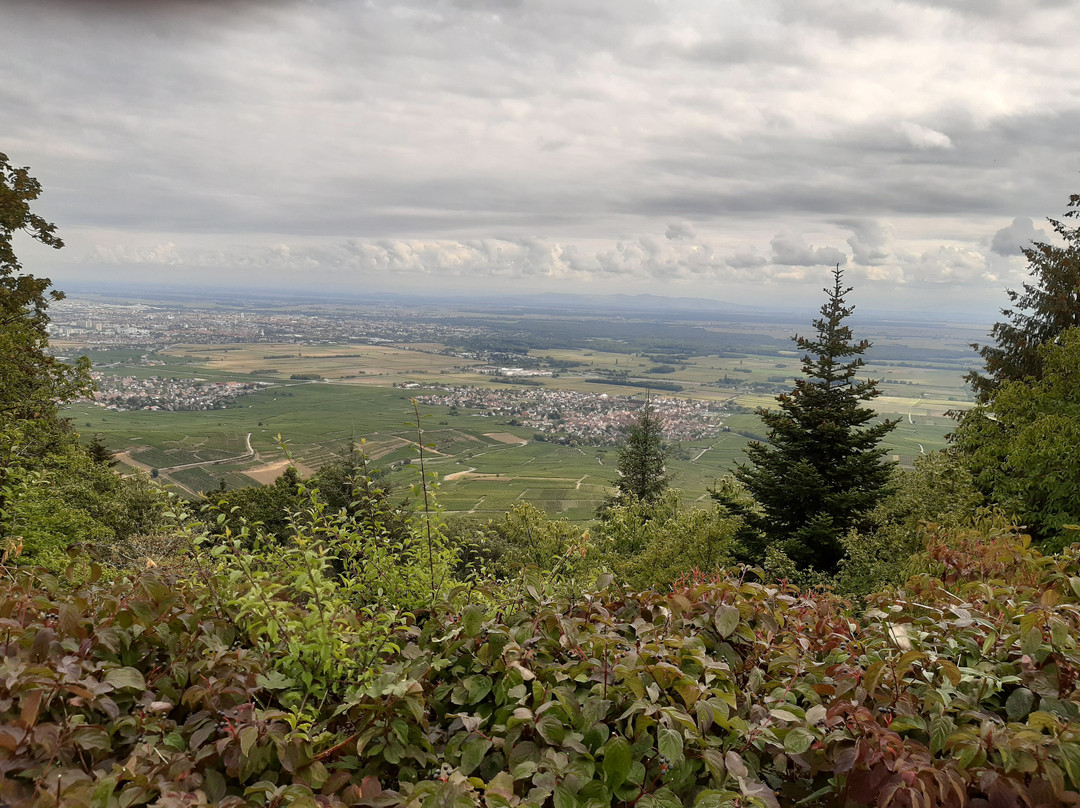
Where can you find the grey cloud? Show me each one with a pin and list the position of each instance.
(847, 18)
(746, 260)
(869, 241)
(1012, 239)
(790, 250)
(741, 49)
(680, 231)
(434, 132)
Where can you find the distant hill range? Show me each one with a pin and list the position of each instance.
(642, 306)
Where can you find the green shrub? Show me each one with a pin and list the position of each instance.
(959, 688)
(652, 545)
(62, 498)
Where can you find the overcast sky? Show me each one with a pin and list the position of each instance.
(725, 148)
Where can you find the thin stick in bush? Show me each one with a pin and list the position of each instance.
(427, 507)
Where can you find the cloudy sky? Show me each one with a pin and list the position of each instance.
(730, 149)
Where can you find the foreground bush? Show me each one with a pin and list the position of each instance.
(958, 690)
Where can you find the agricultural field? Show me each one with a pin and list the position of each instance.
(317, 398)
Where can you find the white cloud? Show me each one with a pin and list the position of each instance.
(947, 265)
(923, 137)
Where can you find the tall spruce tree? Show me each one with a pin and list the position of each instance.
(822, 469)
(642, 473)
(1045, 309)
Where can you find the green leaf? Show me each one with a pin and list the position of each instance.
(711, 798)
(121, 678)
(564, 798)
(1031, 641)
(941, 727)
(714, 763)
(551, 729)
(248, 736)
(1074, 582)
(670, 744)
(1059, 633)
(472, 753)
(1069, 755)
(174, 741)
(726, 619)
(665, 798)
(274, 680)
(1019, 703)
(1066, 709)
(102, 793)
(798, 740)
(873, 676)
(783, 715)
(472, 620)
(617, 760)
(215, 785)
(478, 688)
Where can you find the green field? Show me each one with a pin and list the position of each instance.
(310, 421)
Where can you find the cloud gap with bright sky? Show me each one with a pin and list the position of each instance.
(719, 149)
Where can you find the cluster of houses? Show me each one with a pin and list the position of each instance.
(592, 418)
(157, 393)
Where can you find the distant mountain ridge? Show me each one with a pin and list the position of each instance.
(639, 305)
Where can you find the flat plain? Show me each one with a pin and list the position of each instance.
(487, 462)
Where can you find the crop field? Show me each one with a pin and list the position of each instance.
(357, 393)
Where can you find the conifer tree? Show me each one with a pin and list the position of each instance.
(642, 473)
(1046, 309)
(822, 468)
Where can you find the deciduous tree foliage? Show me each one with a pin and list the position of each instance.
(1023, 446)
(31, 381)
(1041, 313)
(22, 296)
(52, 494)
(821, 471)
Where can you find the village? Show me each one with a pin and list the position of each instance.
(122, 393)
(567, 416)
